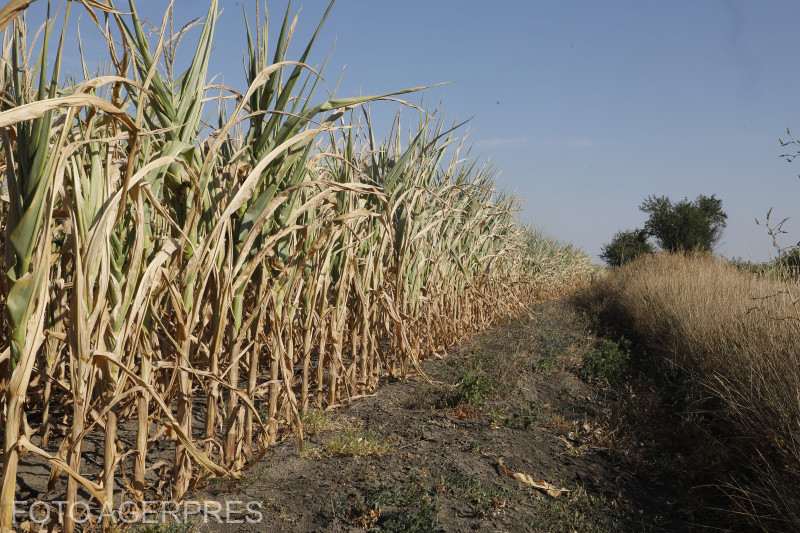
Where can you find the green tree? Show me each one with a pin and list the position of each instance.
(626, 246)
(685, 225)
(789, 263)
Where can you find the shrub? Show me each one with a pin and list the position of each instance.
(626, 246)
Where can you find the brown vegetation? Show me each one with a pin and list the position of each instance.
(734, 335)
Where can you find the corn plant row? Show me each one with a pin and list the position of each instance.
(213, 263)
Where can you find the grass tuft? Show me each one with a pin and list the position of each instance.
(317, 422)
(357, 443)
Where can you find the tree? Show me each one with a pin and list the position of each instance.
(686, 225)
(789, 263)
(626, 246)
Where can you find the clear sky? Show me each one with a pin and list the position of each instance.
(587, 107)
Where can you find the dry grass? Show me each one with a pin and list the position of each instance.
(735, 335)
(316, 422)
(357, 443)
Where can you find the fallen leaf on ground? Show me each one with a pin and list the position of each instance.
(541, 484)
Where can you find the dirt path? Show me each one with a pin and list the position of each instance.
(422, 457)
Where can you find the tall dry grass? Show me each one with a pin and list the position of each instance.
(735, 334)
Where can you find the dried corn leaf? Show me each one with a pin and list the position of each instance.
(39, 108)
(542, 485)
(11, 11)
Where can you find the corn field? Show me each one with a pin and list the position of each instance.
(212, 263)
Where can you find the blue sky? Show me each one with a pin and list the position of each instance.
(586, 107)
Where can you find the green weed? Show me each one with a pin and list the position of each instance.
(483, 499)
(413, 500)
(520, 419)
(473, 388)
(609, 360)
(577, 512)
(427, 397)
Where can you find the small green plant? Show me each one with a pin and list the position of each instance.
(258, 475)
(545, 364)
(608, 360)
(483, 499)
(578, 512)
(357, 443)
(420, 520)
(521, 418)
(427, 397)
(473, 388)
(413, 502)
